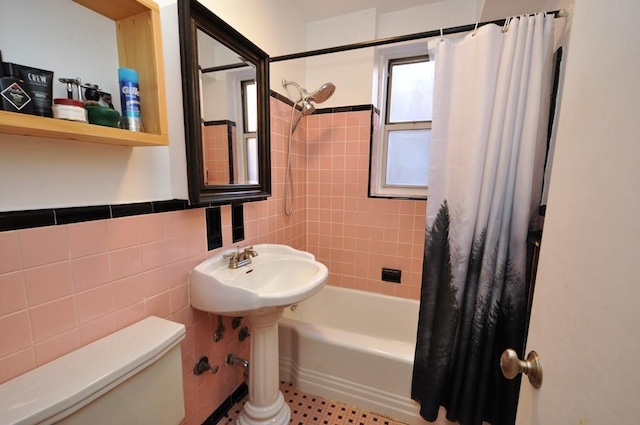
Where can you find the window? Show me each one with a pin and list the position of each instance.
(400, 152)
(250, 123)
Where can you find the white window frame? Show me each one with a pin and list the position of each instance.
(235, 104)
(378, 166)
(250, 161)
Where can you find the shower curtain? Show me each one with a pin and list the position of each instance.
(488, 145)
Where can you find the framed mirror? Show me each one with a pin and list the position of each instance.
(225, 86)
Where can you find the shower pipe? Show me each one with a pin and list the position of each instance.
(402, 38)
(306, 104)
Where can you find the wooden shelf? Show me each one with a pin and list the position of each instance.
(51, 128)
(139, 47)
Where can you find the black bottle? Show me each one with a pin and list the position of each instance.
(15, 96)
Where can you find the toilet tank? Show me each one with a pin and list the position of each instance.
(133, 376)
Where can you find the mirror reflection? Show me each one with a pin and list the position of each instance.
(225, 86)
(229, 114)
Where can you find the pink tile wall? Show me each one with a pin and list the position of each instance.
(267, 218)
(353, 235)
(62, 287)
(216, 153)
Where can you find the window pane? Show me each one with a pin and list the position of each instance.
(408, 157)
(252, 160)
(251, 107)
(411, 92)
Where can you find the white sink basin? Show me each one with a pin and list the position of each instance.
(277, 277)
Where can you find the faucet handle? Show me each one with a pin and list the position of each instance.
(248, 251)
(233, 261)
(233, 258)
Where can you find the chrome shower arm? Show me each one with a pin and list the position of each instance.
(302, 91)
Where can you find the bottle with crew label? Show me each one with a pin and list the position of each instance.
(130, 99)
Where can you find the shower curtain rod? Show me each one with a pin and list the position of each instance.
(399, 39)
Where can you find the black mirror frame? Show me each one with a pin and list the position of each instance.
(193, 16)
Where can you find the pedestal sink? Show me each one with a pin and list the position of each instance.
(277, 277)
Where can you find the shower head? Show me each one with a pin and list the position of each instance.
(307, 107)
(318, 96)
(305, 100)
(323, 93)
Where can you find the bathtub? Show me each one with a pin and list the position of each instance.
(354, 347)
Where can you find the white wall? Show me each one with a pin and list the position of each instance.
(498, 9)
(173, 75)
(275, 26)
(585, 322)
(351, 71)
(38, 173)
(429, 17)
(214, 106)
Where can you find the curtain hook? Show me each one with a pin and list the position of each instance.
(507, 22)
(441, 34)
(475, 30)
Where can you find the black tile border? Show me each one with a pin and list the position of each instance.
(281, 98)
(220, 122)
(170, 205)
(226, 405)
(336, 109)
(127, 210)
(237, 222)
(80, 214)
(213, 218)
(16, 220)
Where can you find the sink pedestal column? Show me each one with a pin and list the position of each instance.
(266, 403)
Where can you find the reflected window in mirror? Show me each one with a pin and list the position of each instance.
(250, 135)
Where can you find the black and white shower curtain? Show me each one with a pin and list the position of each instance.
(487, 158)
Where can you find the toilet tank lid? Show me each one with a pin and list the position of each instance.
(62, 386)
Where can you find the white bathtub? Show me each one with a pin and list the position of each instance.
(355, 347)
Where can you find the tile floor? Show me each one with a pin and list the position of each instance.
(311, 409)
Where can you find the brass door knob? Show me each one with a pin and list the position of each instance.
(512, 366)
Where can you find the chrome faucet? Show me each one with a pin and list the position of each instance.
(239, 259)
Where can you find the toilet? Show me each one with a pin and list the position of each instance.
(133, 376)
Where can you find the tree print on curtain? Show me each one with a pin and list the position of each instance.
(461, 373)
(488, 144)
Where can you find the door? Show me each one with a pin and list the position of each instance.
(585, 323)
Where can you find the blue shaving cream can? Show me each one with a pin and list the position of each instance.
(130, 99)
